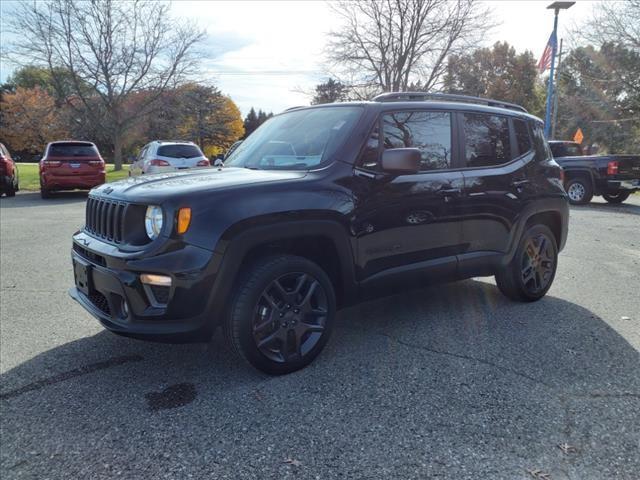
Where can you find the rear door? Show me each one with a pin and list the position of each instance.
(498, 156)
(409, 221)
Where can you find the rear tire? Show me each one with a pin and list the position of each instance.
(579, 190)
(615, 198)
(530, 273)
(11, 190)
(282, 314)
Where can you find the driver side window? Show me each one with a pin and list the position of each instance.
(428, 131)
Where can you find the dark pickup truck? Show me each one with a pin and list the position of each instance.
(615, 177)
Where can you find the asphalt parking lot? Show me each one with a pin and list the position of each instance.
(450, 381)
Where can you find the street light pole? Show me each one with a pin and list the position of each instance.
(556, 6)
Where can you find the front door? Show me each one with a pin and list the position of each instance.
(407, 222)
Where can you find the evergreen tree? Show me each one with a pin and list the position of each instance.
(330, 91)
(253, 120)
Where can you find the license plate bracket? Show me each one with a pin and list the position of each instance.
(82, 274)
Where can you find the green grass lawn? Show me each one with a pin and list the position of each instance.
(30, 179)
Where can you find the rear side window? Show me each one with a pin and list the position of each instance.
(179, 151)
(143, 153)
(540, 143)
(486, 140)
(72, 150)
(522, 136)
(558, 150)
(429, 132)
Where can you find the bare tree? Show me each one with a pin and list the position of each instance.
(614, 22)
(128, 53)
(386, 45)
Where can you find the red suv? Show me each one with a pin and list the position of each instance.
(8, 173)
(69, 165)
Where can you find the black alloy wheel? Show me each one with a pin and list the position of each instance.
(537, 264)
(282, 314)
(289, 317)
(531, 271)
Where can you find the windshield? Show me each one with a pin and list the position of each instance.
(297, 140)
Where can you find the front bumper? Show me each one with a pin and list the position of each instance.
(113, 280)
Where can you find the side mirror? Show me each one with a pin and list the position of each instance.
(218, 162)
(401, 160)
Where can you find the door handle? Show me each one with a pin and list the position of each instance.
(449, 192)
(519, 183)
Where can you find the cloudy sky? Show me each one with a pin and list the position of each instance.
(268, 51)
(265, 53)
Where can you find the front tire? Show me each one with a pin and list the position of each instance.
(579, 191)
(616, 198)
(282, 314)
(530, 273)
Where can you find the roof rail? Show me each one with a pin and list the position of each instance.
(446, 97)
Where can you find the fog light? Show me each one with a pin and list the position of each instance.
(153, 279)
(124, 309)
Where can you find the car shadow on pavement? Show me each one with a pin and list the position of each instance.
(631, 208)
(32, 199)
(450, 381)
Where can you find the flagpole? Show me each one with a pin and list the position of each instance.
(547, 116)
(554, 122)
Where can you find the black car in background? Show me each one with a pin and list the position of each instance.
(318, 208)
(615, 177)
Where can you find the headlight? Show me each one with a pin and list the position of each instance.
(153, 221)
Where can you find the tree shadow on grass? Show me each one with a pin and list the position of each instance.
(450, 381)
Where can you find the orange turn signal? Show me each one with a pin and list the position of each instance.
(184, 219)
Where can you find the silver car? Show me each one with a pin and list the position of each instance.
(162, 156)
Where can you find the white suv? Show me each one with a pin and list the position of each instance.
(166, 156)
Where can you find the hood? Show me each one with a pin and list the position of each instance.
(158, 187)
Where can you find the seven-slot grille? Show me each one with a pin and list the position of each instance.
(105, 219)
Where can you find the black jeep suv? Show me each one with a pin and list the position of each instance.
(319, 207)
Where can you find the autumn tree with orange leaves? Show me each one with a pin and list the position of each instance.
(30, 119)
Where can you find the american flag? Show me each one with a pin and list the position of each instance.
(545, 59)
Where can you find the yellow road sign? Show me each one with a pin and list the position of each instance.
(578, 137)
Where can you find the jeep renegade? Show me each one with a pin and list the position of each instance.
(318, 208)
